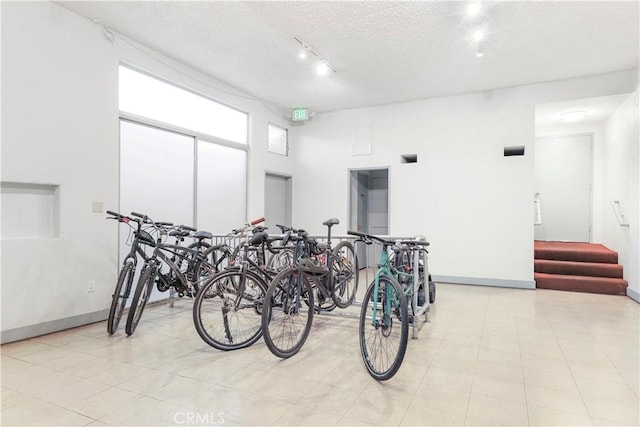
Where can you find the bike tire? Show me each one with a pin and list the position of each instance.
(286, 327)
(345, 274)
(384, 339)
(244, 326)
(140, 298)
(120, 295)
(432, 291)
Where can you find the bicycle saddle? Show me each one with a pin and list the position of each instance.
(258, 238)
(312, 267)
(179, 233)
(331, 222)
(202, 235)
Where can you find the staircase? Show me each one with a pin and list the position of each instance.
(578, 267)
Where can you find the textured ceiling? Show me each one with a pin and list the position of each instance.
(382, 51)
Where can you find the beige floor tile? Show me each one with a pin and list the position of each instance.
(258, 411)
(555, 381)
(321, 396)
(508, 390)
(477, 422)
(608, 389)
(143, 411)
(69, 395)
(448, 378)
(20, 349)
(610, 423)
(482, 347)
(308, 417)
(499, 372)
(539, 416)
(615, 410)
(605, 371)
(26, 412)
(350, 422)
(555, 399)
(104, 402)
(497, 411)
(63, 417)
(441, 398)
(373, 409)
(419, 415)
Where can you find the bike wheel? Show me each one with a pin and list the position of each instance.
(120, 295)
(344, 275)
(226, 311)
(140, 298)
(384, 331)
(288, 313)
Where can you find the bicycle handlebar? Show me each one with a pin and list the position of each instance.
(247, 225)
(368, 237)
(257, 221)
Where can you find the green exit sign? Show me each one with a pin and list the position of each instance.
(299, 114)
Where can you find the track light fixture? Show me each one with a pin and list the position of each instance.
(323, 67)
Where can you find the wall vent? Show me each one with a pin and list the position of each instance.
(517, 150)
(409, 158)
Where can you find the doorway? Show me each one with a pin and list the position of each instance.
(563, 180)
(369, 207)
(277, 201)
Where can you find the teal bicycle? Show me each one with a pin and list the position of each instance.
(384, 316)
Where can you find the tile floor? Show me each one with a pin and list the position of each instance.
(489, 356)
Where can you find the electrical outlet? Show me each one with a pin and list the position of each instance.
(91, 287)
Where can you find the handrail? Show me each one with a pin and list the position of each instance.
(537, 214)
(615, 204)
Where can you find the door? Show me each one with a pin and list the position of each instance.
(369, 209)
(277, 201)
(563, 183)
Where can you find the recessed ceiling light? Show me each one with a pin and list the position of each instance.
(479, 52)
(478, 35)
(473, 9)
(322, 68)
(303, 53)
(573, 116)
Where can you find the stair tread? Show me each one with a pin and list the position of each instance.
(577, 277)
(578, 268)
(574, 251)
(590, 284)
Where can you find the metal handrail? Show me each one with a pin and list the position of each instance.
(615, 204)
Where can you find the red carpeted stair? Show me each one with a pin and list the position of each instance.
(578, 267)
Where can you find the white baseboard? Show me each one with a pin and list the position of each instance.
(44, 328)
(502, 283)
(633, 295)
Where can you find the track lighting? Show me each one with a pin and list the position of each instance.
(323, 67)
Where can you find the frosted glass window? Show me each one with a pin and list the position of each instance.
(152, 98)
(156, 178)
(222, 187)
(278, 140)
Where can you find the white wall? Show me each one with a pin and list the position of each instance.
(620, 173)
(473, 204)
(60, 127)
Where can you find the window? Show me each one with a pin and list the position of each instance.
(148, 97)
(278, 140)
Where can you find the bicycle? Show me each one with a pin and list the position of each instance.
(127, 271)
(187, 268)
(319, 274)
(227, 310)
(383, 343)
